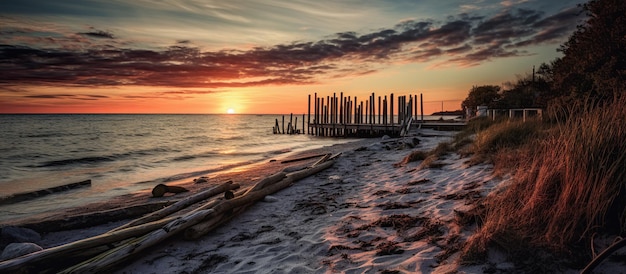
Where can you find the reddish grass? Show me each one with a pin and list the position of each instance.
(567, 187)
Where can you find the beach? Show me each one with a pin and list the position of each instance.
(365, 214)
(361, 215)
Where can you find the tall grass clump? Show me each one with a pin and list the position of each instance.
(473, 126)
(571, 187)
(508, 134)
(501, 139)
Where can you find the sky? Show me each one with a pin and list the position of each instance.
(265, 56)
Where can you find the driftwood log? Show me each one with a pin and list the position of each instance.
(38, 261)
(113, 257)
(203, 195)
(301, 158)
(41, 260)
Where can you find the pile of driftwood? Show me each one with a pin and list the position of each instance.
(108, 250)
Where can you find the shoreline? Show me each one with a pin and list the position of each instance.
(245, 175)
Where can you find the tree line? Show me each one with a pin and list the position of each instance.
(593, 66)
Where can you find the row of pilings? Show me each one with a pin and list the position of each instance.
(346, 116)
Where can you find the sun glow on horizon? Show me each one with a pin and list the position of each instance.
(230, 111)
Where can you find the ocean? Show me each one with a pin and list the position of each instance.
(126, 153)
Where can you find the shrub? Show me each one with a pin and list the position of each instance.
(570, 187)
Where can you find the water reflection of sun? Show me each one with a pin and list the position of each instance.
(230, 111)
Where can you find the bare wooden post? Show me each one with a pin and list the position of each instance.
(391, 109)
(331, 110)
(349, 114)
(341, 108)
(422, 107)
(400, 105)
(303, 123)
(322, 116)
(367, 106)
(373, 109)
(415, 102)
(385, 110)
(335, 114)
(316, 116)
(308, 129)
(361, 113)
(289, 130)
(410, 106)
(349, 110)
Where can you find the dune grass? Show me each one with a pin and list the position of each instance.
(569, 184)
(428, 158)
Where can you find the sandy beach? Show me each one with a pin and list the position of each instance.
(365, 214)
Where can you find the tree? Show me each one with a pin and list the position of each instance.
(529, 91)
(594, 61)
(481, 96)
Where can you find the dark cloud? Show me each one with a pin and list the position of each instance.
(191, 92)
(98, 34)
(466, 40)
(89, 97)
(506, 27)
(48, 96)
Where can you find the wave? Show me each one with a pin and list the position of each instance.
(83, 160)
(49, 135)
(210, 154)
(194, 174)
(91, 160)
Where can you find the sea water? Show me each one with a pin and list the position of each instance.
(122, 154)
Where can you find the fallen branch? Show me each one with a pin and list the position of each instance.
(203, 228)
(267, 181)
(301, 158)
(181, 204)
(605, 254)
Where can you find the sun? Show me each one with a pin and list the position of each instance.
(230, 111)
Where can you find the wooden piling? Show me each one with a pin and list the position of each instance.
(341, 115)
(391, 109)
(422, 107)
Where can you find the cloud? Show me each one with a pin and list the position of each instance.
(89, 97)
(98, 34)
(464, 40)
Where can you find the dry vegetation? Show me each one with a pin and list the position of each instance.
(569, 180)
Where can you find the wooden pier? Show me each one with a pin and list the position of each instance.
(346, 116)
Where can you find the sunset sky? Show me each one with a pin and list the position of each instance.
(264, 56)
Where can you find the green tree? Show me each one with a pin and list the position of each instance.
(481, 96)
(594, 61)
(529, 91)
